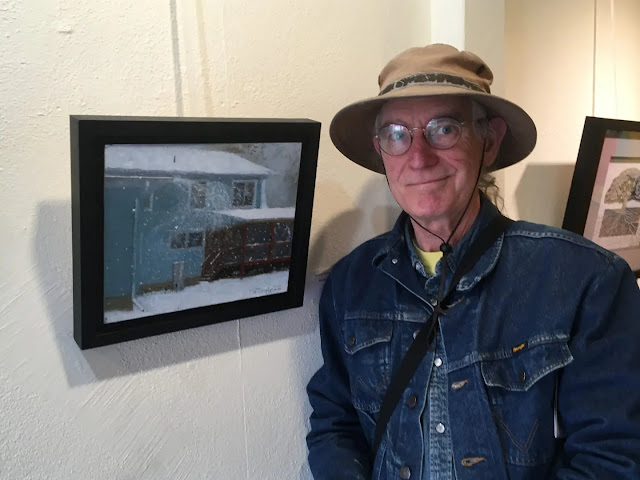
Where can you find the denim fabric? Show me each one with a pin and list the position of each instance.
(438, 451)
(542, 311)
(435, 418)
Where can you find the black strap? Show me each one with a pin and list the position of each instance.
(420, 345)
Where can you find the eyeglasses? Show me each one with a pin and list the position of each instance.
(440, 133)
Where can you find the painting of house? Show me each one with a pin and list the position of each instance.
(190, 225)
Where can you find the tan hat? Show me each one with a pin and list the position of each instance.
(424, 72)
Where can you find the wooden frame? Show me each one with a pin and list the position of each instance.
(162, 240)
(604, 200)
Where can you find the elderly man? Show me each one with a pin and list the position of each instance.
(462, 345)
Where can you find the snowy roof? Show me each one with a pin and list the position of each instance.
(260, 213)
(178, 159)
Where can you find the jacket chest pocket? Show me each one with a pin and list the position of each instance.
(367, 343)
(521, 391)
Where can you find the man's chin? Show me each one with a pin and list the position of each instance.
(426, 207)
(427, 214)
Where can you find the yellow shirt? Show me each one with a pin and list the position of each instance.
(428, 259)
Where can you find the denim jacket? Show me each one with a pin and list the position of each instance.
(542, 333)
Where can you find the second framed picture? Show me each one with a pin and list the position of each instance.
(604, 200)
(181, 222)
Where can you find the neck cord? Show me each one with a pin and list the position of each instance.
(445, 246)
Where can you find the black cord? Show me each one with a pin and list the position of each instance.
(445, 246)
(446, 249)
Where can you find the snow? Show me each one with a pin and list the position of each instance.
(183, 158)
(260, 213)
(203, 294)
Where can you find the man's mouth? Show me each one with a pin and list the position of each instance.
(429, 181)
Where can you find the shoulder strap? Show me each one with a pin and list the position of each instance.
(420, 345)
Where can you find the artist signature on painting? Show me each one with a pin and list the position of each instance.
(267, 290)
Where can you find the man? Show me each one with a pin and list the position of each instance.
(528, 364)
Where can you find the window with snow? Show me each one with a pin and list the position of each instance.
(186, 239)
(199, 194)
(244, 193)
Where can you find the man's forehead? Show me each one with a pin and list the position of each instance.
(426, 105)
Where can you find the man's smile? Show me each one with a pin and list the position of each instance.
(430, 181)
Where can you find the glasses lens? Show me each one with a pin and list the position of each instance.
(394, 139)
(443, 132)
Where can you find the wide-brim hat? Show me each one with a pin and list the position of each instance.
(434, 70)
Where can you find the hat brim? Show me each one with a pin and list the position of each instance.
(351, 129)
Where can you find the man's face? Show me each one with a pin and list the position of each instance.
(428, 183)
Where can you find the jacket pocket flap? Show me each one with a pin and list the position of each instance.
(362, 333)
(525, 368)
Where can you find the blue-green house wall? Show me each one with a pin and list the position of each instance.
(118, 239)
(163, 209)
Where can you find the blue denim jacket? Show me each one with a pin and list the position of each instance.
(545, 324)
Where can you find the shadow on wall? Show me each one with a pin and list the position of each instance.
(52, 253)
(376, 213)
(541, 195)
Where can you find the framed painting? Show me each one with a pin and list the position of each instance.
(183, 222)
(604, 200)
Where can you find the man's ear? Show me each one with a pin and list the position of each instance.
(376, 145)
(496, 132)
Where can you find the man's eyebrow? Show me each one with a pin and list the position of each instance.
(457, 114)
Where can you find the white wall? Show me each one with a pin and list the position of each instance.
(549, 73)
(617, 59)
(485, 36)
(566, 60)
(224, 401)
(447, 22)
(228, 400)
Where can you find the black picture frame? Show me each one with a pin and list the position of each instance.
(98, 173)
(604, 199)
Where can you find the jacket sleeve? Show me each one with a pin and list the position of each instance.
(337, 446)
(599, 392)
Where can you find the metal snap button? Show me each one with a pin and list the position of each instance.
(522, 376)
(434, 302)
(352, 341)
(405, 473)
(438, 362)
(440, 428)
(394, 260)
(412, 401)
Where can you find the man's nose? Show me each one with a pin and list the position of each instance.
(421, 154)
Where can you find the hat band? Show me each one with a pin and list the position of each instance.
(431, 79)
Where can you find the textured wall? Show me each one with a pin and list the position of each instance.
(224, 401)
(566, 60)
(228, 400)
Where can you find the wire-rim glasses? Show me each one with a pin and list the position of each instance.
(441, 133)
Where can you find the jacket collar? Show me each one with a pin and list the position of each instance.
(397, 253)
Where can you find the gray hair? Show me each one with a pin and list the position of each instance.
(482, 128)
